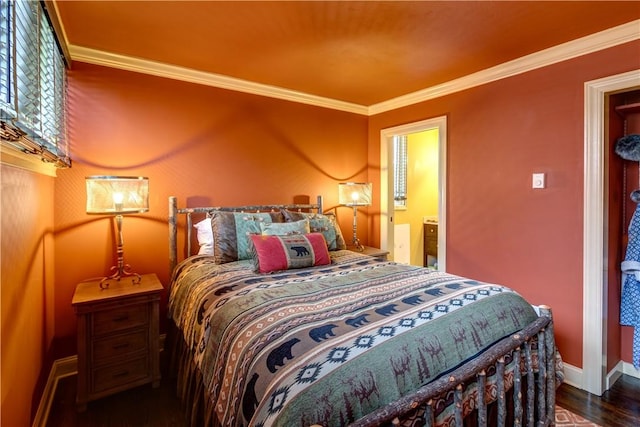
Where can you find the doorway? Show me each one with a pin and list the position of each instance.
(387, 173)
(594, 377)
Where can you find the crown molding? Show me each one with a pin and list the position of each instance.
(107, 59)
(592, 43)
(562, 52)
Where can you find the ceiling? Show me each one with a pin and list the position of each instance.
(360, 52)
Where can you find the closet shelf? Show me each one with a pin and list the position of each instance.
(625, 110)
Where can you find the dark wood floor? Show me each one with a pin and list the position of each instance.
(139, 407)
(145, 406)
(617, 407)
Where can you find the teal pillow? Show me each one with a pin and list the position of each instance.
(231, 231)
(285, 228)
(320, 223)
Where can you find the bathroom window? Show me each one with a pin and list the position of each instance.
(400, 171)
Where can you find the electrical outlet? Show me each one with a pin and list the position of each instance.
(538, 180)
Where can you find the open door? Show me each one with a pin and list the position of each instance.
(387, 209)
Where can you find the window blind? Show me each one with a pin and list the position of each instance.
(400, 170)
(32, 83)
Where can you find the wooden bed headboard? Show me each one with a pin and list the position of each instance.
(174, 213)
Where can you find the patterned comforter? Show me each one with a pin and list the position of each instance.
(326, 345)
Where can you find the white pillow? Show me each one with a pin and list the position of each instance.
(205, 236)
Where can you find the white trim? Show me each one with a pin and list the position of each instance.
(562, 52)
(61, 368)
(592, 43)
(629, 369)
(13, 157)
(621, 368)
(572, 375)
(614, 374)
(386, 182)
(97, 57)
(594, 339)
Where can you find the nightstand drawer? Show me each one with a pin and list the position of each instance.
(117, 319)
(431, 230)
(120, 345)
(119, 374)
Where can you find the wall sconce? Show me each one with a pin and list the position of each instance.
(118, 196)
(355, 194)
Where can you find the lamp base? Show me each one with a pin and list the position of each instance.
(121, 269)
(120, 272)
(357, 245)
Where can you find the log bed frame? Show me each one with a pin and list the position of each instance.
(533, 393)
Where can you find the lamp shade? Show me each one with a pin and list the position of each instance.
(354, 193)
(117, 194)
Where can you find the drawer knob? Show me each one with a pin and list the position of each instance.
(120, 346)
(121, 318)
(120, 374)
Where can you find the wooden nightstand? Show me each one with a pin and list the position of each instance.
(368, 250)
(430, 244)
(118, 336)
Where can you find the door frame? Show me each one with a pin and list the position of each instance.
(595, 286)
(386, 182)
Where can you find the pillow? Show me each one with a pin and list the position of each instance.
(321, 223)
(231, 231)
(285, 228)
(204, 234)
(277, 253)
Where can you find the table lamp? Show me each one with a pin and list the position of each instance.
(355, 194)
(118, 196)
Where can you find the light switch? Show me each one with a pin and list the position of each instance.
(538, 180)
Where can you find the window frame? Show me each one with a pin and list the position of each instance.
(33, 86)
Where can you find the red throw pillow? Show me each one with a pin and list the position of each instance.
(277, 253)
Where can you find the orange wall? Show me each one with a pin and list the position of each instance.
(205, 145)
(211, 146)
(26, 292)
(499, 229)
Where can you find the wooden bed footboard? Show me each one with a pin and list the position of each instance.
(535, 403)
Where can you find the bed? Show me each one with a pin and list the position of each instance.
(275, 323)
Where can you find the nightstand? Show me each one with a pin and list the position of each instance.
(370, 251)
(118, 336)
(430, 244)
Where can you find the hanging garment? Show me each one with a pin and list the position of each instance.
(630, 302)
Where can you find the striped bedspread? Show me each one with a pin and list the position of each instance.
(326, 345)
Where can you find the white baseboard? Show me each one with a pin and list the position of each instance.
(61, 368)
(613, 375)
(629, 369)
(622, 368)
(573, 376)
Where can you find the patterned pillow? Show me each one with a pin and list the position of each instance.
(278, 253)
(285, 228)
(231, 232)
(321, 223)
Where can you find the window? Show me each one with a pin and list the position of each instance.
(33, 83)
(400, 170)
